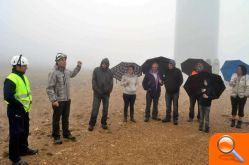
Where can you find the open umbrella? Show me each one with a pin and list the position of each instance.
(119, 70)
(189, 65)
(229, 67)
(161, 61)
(195, 82)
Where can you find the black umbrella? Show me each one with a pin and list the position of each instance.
(161, 61)
(120, 69)
(190, 64)
(194, 83)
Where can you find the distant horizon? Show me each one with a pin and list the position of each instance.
(71, 64)
(120, 30)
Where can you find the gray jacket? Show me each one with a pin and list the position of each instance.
(58, 88)
(102, 80)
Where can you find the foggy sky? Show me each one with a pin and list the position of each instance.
(121, 30)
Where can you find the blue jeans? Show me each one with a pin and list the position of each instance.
(204, 117)
(172, 98)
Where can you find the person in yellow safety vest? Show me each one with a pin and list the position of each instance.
(17, 95)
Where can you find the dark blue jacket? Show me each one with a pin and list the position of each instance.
(210, 93)
(173, 80)
(152, 86)
(9, 90)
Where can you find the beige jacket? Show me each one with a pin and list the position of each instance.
(240, 87)
(130, 84)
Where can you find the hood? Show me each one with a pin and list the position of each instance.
(105, 61)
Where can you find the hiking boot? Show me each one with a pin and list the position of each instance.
(200, 127)
(146, 119)
(165, 120)
(233, 123)
(90, 128)
(239, 124)
(104, 126)
(175, 122)
(70, 137)
(20, 162)
(57, 141)
(133, 120)
(207, 129)
(156, 118)
(125, 120)
(29, 152)
(190, 120)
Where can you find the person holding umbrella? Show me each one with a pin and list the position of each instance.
(206, 87)
(58, 91)
(192, 100)
(172, 82)
(129, 82)
(240, 91)
(230, 66)
(102, 85)
(206, 95)
(152, 84)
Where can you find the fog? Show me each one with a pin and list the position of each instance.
(121, 30)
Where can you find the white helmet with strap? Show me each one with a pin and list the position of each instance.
(19, 60)
(60, 56)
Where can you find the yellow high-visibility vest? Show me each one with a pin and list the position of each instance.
(23, 91)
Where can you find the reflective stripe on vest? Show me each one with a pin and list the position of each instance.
(23, 91)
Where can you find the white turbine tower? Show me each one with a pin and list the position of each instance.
(196, 30)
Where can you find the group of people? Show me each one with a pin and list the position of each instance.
(18, 96)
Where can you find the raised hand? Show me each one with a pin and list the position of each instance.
(79, 63)
(205, 96)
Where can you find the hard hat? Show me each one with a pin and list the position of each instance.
(60, 56)
(19, 60)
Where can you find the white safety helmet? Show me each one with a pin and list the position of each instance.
(60, 56)
(19, 60)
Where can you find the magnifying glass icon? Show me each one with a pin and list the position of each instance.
(226, 145)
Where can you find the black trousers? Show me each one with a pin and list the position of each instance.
(149, 100)
(62, 111)
(18, 134)
(192, 101)
(169, 99)
(95, 109)
(129, 100)
(238, 105)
